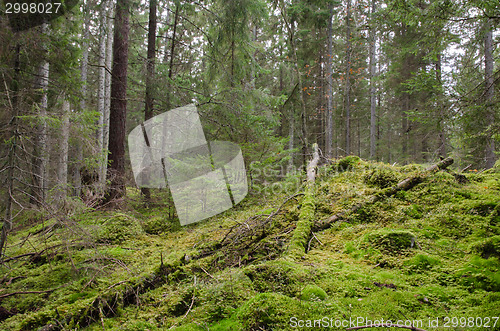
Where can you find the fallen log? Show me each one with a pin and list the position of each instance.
(404, 185)
(302, 232)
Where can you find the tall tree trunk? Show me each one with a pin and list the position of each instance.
(62, 170)
(329, 93)
(489, 93)
(441, 131)
(14, 105)
(77, 177)
(373, 70)
(118, 107)
(40, 156)
(107, 94)
(405, 100)
(101, 90)
(172, 56)
(347, 94)
(149, 102)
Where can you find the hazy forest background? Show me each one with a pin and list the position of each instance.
(394, 81)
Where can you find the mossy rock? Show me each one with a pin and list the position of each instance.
(381, 178)
(119, 228)
(391, 240)
(313, 293)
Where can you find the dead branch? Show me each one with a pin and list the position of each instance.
(30, 292)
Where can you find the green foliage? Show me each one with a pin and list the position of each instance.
(392, 240)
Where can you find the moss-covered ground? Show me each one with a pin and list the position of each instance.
(428, 253)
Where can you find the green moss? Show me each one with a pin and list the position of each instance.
(119, 228)
(302, 232)
(312, 293)
(381, 178)
(487, 247)
(421, 262)
(391, 239)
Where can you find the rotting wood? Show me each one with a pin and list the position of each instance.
(302, 233)
(404, 185)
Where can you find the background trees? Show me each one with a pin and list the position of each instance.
(382, 79)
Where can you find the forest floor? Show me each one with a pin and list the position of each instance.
(429, 255)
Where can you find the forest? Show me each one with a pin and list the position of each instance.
(366, 137)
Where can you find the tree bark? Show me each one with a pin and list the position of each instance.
(62, 170)
(101, 90)
(107, 94)
(77, 177)
(40, 156)
(150, 67)
(118, 107)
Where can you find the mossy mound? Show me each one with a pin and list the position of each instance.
(118, 228)
(313, 293)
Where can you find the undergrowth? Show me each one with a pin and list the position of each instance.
(426, 253)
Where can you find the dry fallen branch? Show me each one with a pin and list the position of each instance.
(30, 292)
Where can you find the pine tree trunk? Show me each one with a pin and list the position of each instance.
(441, 132)
(118, 107)
(489, 94)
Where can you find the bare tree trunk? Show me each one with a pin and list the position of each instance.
(441, 132)
(329, 93)
(373, 71)
(62, 170)
(291, 137)
(347, 95)
(77, 177)
(149, 102)
(107, 94)
(101, 90)
(40, 157)
(489, 93)
(118, 108)
(172, 56)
